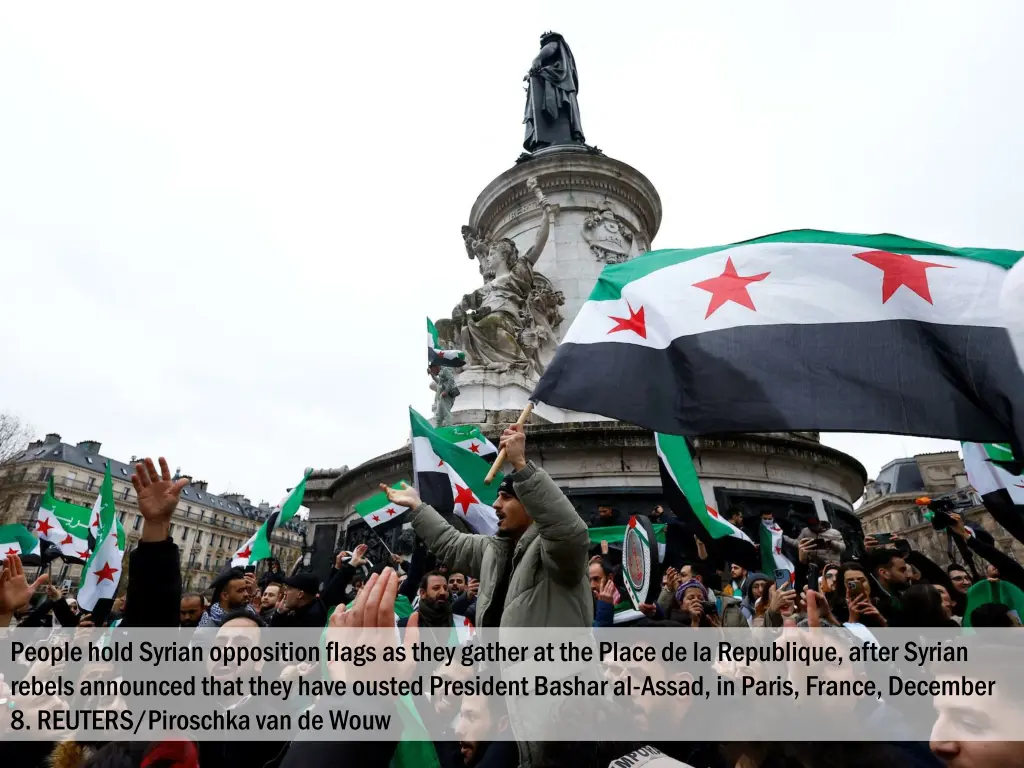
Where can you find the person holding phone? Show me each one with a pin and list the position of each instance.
(827, 543)
(851, 600)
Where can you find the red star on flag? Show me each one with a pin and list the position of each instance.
(376, 518)
(67, 540)
(106, 572)
(465, 497)
(84, 555)
(474, 448)
(898, 270)
(729, 286)
(244, 552)
(440, 463)
(713, 512)
(44, 526)
(635, 322)
(12, 551)
(390, 511)
(96, 522)
(778, 550)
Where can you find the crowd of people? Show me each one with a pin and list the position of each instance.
(540, 570)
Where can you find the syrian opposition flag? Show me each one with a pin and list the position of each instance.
(16, 539)
(801, 330)
(1001, 492)
(772, 557)
(681, 487)
(64, 525)
(451, 479)
(258, 545)
(377, 510)
(446, 358)
(102, 571)
(470, 437)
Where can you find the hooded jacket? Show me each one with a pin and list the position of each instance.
(749, 603)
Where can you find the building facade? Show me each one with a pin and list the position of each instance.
(889, 507)
(208, 528)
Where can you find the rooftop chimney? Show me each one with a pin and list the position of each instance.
(52, 439)
(90, 446)
(35, 444)
(200, 484)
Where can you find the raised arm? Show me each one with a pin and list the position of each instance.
(550, 211)
(563, 534)
(460, 551)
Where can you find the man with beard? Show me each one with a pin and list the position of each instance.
(534, 572)
(892, 574)
(434, 608)
(268, 603)
(230, 594)
(481, 719)
(191, 610)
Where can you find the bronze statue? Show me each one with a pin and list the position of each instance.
(552, 111)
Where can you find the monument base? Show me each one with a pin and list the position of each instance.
(498, 397)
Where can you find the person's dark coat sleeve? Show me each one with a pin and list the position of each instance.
(154, 585)
(62, 612)
(1009, 569)
(340, 578)
(38, 615)
(462, 604)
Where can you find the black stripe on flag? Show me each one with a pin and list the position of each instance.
(896, 376)
(1009, 515)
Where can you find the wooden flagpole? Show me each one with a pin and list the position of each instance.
(500, 459)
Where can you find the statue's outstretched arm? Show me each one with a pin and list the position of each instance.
(550, 211)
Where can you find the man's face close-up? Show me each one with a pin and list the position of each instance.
(456, 583)
(190, 611)
(270, 596)
(596, 577)
(235, 594)
(473, 727)
(512, 517)
(437, 589)
(961, 581)
(962, 720)
(294, 598)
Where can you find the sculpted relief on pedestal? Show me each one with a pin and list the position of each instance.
(510, 322)
(608, 237)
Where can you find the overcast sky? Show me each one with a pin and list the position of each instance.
(221, 224)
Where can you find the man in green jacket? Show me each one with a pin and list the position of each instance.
(534, 572)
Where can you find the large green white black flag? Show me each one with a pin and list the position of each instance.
(802, 330)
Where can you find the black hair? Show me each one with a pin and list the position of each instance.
(194, 595)
(428, 576)
(735, 509)
(232, 574)
(876, 559)
(838, 595)
(922, 607)
(954, 567)
(241, 614)
(991, 615)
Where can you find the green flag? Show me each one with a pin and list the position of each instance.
(377, 510)
(102, 571)
(65, 525)
(16, 539)
(436, 355)
(257, 547)
(451, 479)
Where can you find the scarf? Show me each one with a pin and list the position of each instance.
(213, 615)
(435, 614)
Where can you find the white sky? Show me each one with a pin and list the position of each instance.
(221, 225)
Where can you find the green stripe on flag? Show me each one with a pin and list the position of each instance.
(616, 276)
(614, 534)
(471, 468)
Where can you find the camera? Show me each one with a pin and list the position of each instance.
(710, 608)
(940, 508)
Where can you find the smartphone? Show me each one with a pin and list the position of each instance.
(853, 589)
(882, 538)
(812, 576)
(250, 569)
(782, 578)
(819, 543)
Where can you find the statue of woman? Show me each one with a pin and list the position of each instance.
(552, 111)
(492, 317)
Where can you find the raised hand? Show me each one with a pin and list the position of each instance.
(405, 496)
(15, 591)
(513, 440)
(359, 556)
(473, 587)
(607, 593)
(158, 496)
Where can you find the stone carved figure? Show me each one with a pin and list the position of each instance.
(608, 237)
(552, 111)
(510, 322)
(445, 391)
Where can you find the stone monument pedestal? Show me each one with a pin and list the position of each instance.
(607, 212)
